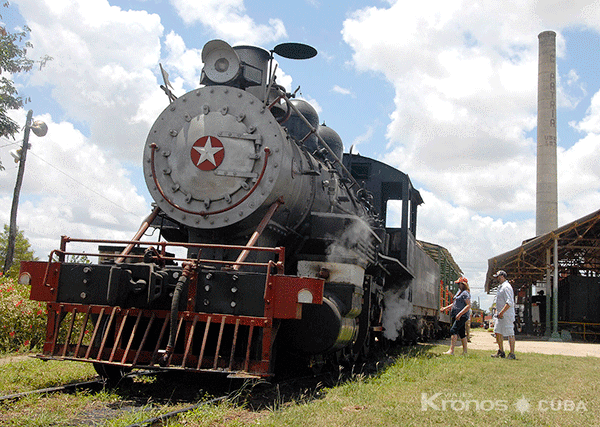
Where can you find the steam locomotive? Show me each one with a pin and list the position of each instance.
(272, 248)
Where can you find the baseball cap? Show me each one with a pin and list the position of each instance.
(500, 273)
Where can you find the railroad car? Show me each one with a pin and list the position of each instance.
(270, 248)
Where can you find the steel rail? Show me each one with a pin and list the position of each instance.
(172, 414)
(51, 389)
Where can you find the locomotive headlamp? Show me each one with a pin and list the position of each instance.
(221, 63)
(25, 279)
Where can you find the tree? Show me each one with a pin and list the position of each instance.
(23, 251)
(475, 305)
(13, 59)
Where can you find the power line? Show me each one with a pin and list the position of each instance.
(8, 145)
(83, 185)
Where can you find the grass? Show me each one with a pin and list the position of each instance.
(527, 391)
(26, 373)
(421, 387)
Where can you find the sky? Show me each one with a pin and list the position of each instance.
(445, 91)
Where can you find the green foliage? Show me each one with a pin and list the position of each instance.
(13, 60)
(13, 50)
(80, 259)
(23, 251)
(22, 321)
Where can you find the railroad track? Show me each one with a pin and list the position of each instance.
(257, 395)
(91, 384)
(168, 415)
(60, 388)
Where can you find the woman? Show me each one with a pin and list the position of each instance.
(460, 313)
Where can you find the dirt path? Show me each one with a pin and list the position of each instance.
(483, 340)
(10, 359)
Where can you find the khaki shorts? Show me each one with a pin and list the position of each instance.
(504, 327)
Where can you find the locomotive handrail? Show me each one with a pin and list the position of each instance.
(67, 239)
(280, 251)
(203, 260)
(154, 147)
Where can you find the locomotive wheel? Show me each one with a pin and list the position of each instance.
(110, 373)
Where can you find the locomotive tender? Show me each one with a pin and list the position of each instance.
(287, 257)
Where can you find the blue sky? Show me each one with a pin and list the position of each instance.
(435, 88)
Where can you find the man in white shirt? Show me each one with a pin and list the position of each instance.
(505, 305)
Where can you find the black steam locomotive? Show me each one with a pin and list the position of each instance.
(273, 248)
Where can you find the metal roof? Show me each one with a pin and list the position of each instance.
(578, 249)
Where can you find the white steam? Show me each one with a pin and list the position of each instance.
(396, 308)
(353, 240)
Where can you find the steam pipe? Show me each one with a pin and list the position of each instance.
(261, 227)
(145, 224)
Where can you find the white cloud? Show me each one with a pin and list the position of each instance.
(470, 237)
(363, 138)
(187, 62)
(228, 20)
(465, 93)
(591, 122)
(72, 188)
(104, 66)
(341, 90)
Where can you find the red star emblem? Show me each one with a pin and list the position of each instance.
(207, 153)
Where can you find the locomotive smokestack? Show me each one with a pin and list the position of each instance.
(546, 196)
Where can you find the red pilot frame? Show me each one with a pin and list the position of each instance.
(124, 336)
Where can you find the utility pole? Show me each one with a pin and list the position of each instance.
(40, 129)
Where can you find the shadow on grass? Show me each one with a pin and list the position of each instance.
(180, 388)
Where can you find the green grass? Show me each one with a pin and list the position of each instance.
(28, 373)
(492, 389)
(524, 392)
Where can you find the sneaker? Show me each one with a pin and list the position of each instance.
(511, 356)
(499, 354)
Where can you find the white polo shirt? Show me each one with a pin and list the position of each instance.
(506, 295)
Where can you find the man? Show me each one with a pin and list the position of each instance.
(505, 305)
